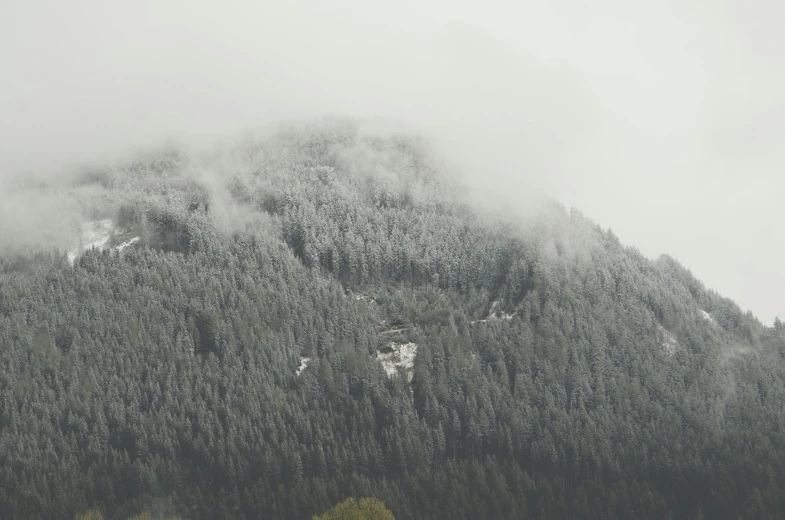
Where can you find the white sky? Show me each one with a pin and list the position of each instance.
(662, 120)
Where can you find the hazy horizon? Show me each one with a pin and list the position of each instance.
(663, 123)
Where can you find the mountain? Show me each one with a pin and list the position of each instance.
(324, 312)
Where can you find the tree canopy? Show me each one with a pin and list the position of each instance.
(226, 364)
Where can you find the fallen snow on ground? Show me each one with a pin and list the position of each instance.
(495, 313)
(93, 234)
(707, 316)
(127, 244)
(395, 355)
(669, 341)
(364, 298)
(494, 310)
(303, 363)
(96, 234)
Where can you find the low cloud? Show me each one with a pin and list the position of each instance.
(671, 141)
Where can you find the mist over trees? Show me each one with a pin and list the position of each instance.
(559, 374)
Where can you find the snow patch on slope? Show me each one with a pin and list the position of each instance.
(359, 297)
(495, 313)
(93, 234)
(707, 316)
(303, 363)
(394, 356)
(96, 234)
(129, 243)
(669, 340)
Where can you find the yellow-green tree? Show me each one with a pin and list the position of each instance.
(350, 509)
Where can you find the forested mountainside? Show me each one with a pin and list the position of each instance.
(323, 313)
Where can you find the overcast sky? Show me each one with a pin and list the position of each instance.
(664, 121)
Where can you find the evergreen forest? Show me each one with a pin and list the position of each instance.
(236, 349)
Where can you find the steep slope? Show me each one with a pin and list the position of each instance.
(240, 360)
